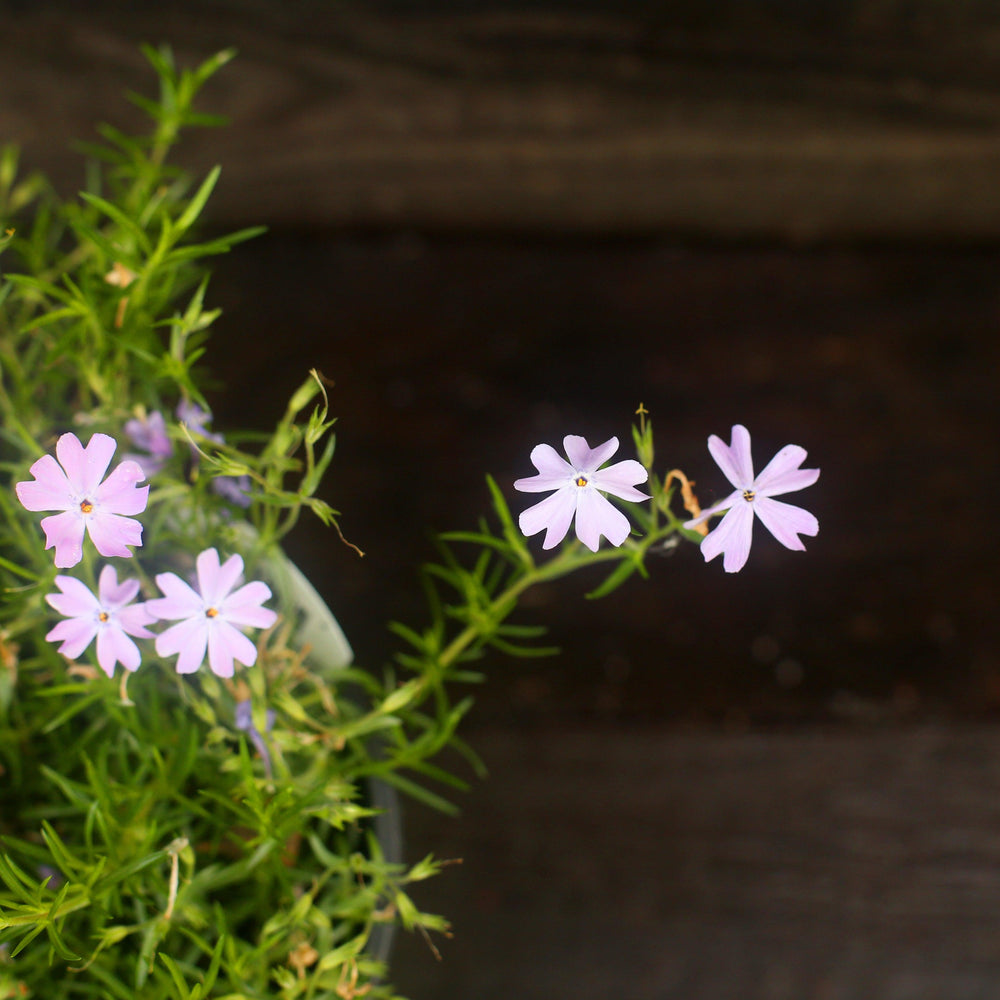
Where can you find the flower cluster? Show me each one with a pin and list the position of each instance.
(579, 486)
(209, 620)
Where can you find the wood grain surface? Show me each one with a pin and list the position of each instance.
(653, 864)
(834, 121)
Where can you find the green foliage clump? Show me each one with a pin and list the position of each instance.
(153, 842)
(147, 847)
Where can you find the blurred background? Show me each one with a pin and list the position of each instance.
(495, 223)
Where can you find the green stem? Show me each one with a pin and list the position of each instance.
(572, 558)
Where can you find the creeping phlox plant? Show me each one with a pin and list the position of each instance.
(202, 821)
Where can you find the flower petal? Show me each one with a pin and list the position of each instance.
(179, 600)
(584, 458)
(786, 521)
(150, 435)
(64, 532)
(729, 501)
(197, 420)
(75, 635)
(734, 460)
(112, 534)
(554, 513)
(596, 516)
(85, 467)
(75, 599)
(134, 620)
(225, 644)
(554, 471)
(119, 494)
(189, 640)
(620, 479)
(783, 475)
(732, 537)
(215, 581)
(243, 606)
(114, 646)
(115, 595)
(235, 489)
(50, 490)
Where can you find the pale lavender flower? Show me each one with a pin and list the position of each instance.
(211, 616)
(579, 486)
(149, 435)
(733, 534)
(244, 721)
(197, 420)
(235, 489)
(111, 616)
(73, 485)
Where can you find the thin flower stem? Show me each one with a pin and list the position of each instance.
(573, 557)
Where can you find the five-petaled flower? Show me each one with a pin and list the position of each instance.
(110, 615)
(101, 509)
(579, 486)
(751, 496)
(211, 617)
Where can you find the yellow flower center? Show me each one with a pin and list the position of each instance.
(748, 495)
(104, 617)
(211, 612)
(86, 506)
(581, 481)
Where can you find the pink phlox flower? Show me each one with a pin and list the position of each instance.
(210, 618)
(754, 495)
(101, 509)
(149, 435)
(580, 485)
(111, 616)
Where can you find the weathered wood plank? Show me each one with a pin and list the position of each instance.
(862, 124)
(694, 866)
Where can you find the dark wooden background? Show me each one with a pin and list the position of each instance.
(497, 223)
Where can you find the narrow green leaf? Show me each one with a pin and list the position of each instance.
(409, 635)
(183, 993)
(17, 881)
(197, 203)
(27, 939)
(72, 710)
(418, 792)
(55, 936)
(117, 215)
(522, 652)
(60, 853)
